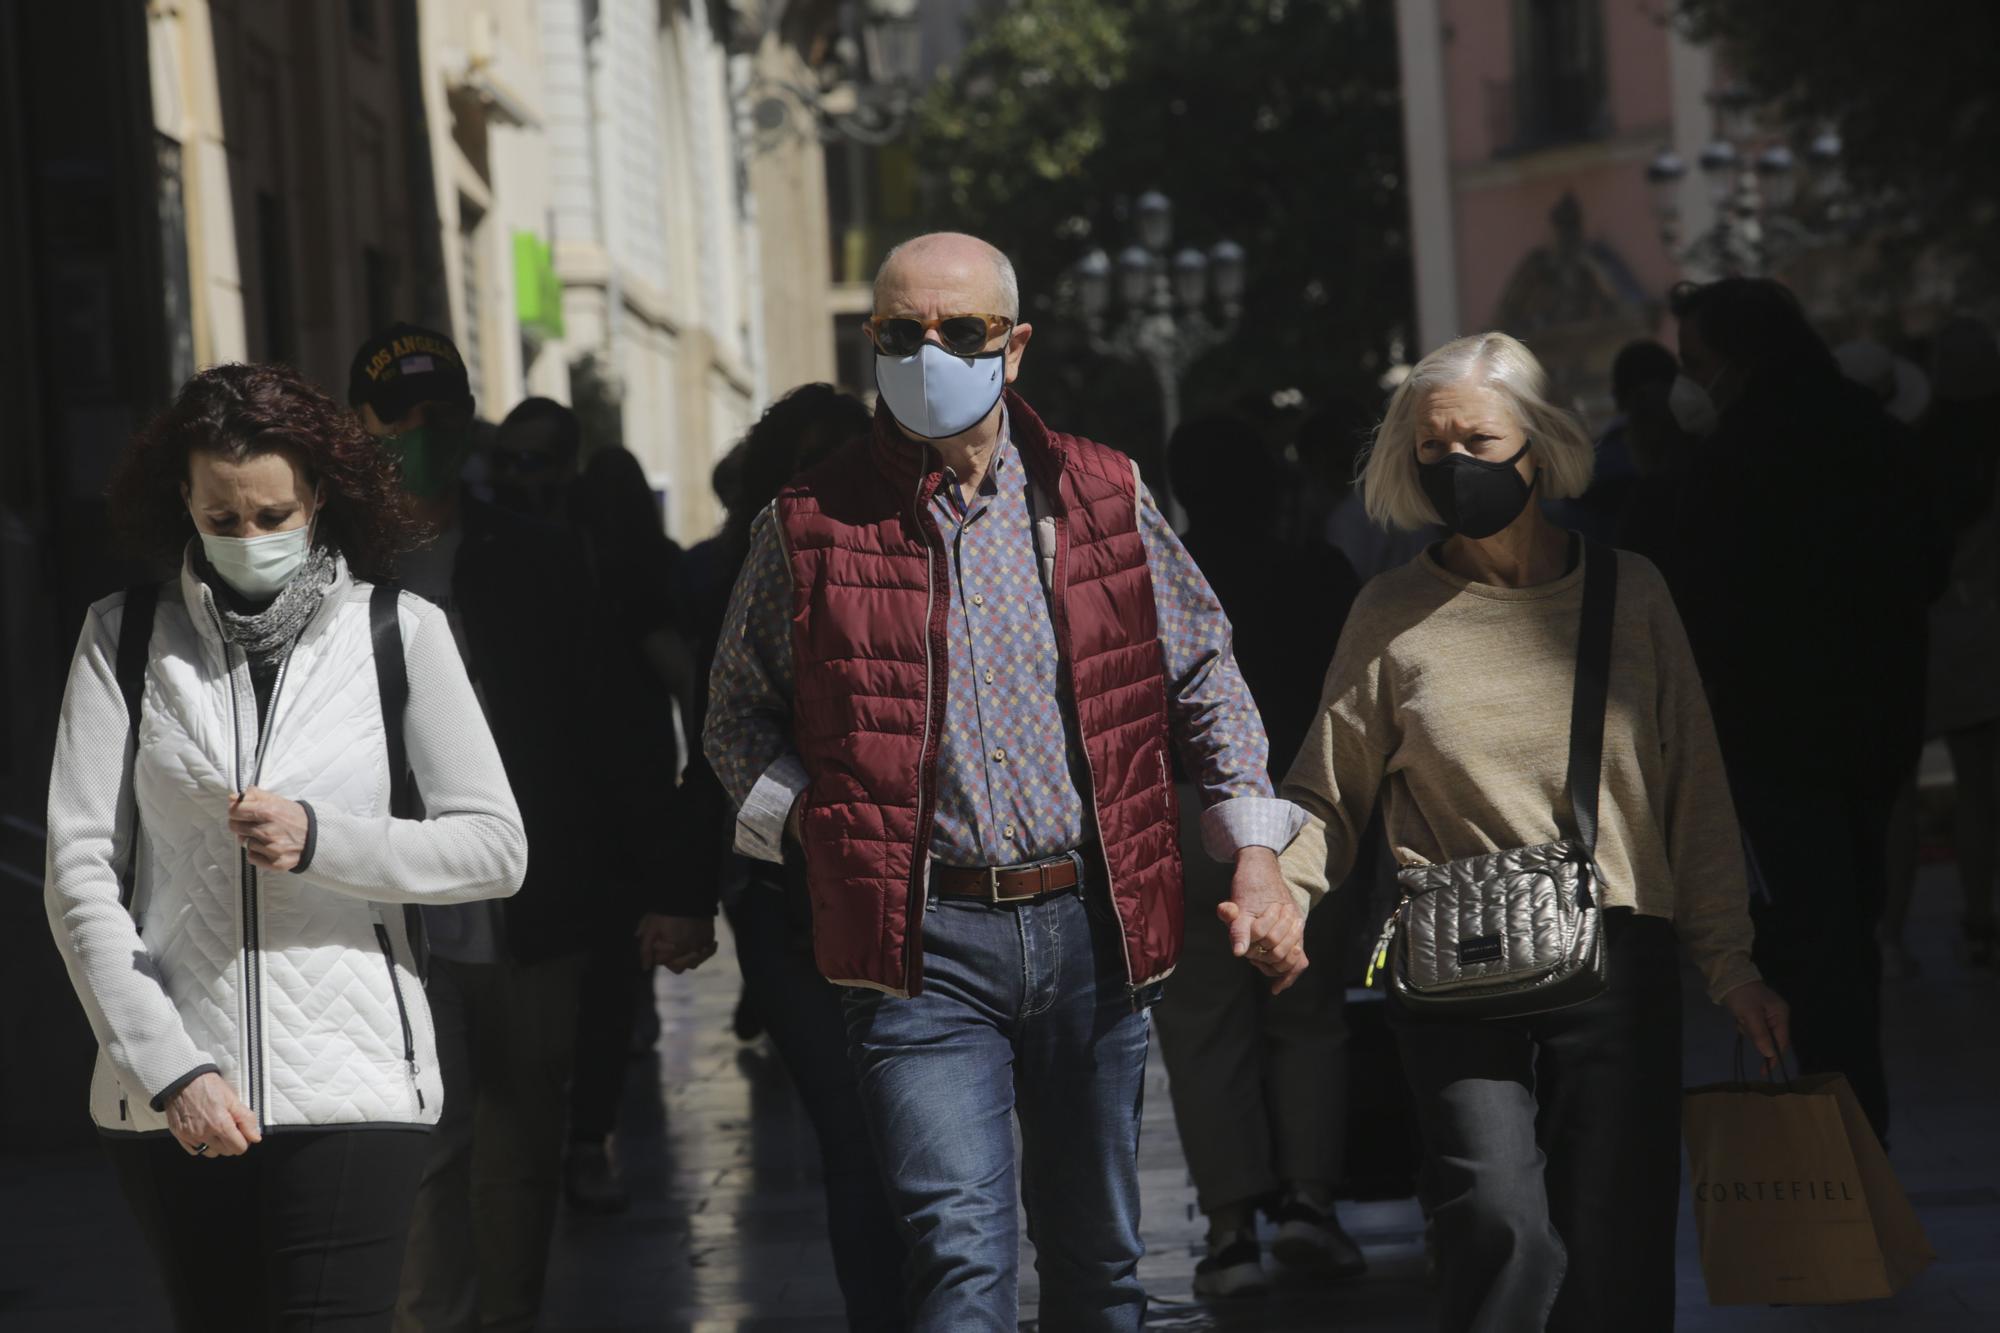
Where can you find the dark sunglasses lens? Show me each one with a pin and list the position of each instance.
(963, 335)
(899, 337)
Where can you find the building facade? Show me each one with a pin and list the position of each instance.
(564, 185)
(560, 183)
(1528, 126)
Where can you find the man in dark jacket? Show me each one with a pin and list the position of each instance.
(503, 979)
(1259, 1081)
(1804, 581)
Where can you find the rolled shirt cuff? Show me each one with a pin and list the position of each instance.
(760, 824)
(1228, 826)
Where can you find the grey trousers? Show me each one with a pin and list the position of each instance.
(1258, 1081)
(486, 1210)
(1554, 1150)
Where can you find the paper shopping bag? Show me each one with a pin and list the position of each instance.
(1794, 1201)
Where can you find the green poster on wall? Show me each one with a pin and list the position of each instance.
(537, 290)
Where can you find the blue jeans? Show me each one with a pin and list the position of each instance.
(1024, 1009)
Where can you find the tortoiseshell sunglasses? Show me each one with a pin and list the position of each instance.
(962, 335)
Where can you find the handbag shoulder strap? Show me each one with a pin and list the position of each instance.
(1593, 687)
(135, 638)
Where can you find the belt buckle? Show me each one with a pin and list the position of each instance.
(993, 884)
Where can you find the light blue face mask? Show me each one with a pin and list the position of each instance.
(259, 567)
(937, 395)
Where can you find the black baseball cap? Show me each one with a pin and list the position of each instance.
(405, 365)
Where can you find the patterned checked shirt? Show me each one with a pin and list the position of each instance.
(1010, 773)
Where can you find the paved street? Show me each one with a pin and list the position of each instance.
(726, 1230)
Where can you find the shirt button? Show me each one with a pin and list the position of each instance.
(978, 599)
(1008, 833)
(989, 675)
(999, 756)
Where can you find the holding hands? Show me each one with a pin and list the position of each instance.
(679, 943)
(1265, 924)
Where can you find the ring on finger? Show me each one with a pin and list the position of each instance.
(199, 1149)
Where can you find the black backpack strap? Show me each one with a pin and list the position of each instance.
(135, 639)
(392, 681)
(1593, 688)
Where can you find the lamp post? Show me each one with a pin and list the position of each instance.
(1762, 217)
(865, 86)
(1161, 307)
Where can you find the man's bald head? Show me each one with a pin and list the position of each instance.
(947, 268)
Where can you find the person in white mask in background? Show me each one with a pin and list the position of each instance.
(952, 669)
(226, 882)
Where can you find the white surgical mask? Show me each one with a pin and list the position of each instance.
(1691, 405)
(937, 395)
(259, 567)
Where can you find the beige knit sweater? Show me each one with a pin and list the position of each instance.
(1451, 700)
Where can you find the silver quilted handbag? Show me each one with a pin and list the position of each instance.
(1518, 932)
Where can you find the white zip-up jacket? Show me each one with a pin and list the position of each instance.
(298, 987)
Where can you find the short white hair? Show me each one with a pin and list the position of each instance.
(1562, 452)
(1010, 286)
(1003, 268)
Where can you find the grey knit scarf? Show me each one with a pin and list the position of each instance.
(267, 632)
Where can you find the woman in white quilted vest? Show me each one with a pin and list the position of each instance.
(226, 881)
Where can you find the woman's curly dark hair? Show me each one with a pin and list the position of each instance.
(239, 411)
(795, 432)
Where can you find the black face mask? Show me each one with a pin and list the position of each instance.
(1475, 498)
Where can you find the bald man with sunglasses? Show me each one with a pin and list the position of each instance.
(953, 671)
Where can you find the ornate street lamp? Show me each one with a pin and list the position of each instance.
(1160, 307)
(1093, 284)
(866, 85)
(1759, 212)
(1776, 179)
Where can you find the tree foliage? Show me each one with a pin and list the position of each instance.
(1912, 87)
(1274, 123)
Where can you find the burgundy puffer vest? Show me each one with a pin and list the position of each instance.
(869, 606)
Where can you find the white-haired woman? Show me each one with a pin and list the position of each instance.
(1553, 1139)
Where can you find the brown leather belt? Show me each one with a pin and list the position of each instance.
(1005, 884)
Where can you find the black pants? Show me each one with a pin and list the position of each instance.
(305, 1231)
(802, 1015)
(1823, 852)
(1554, 1150)
(486, 1208)
(606, 1006)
